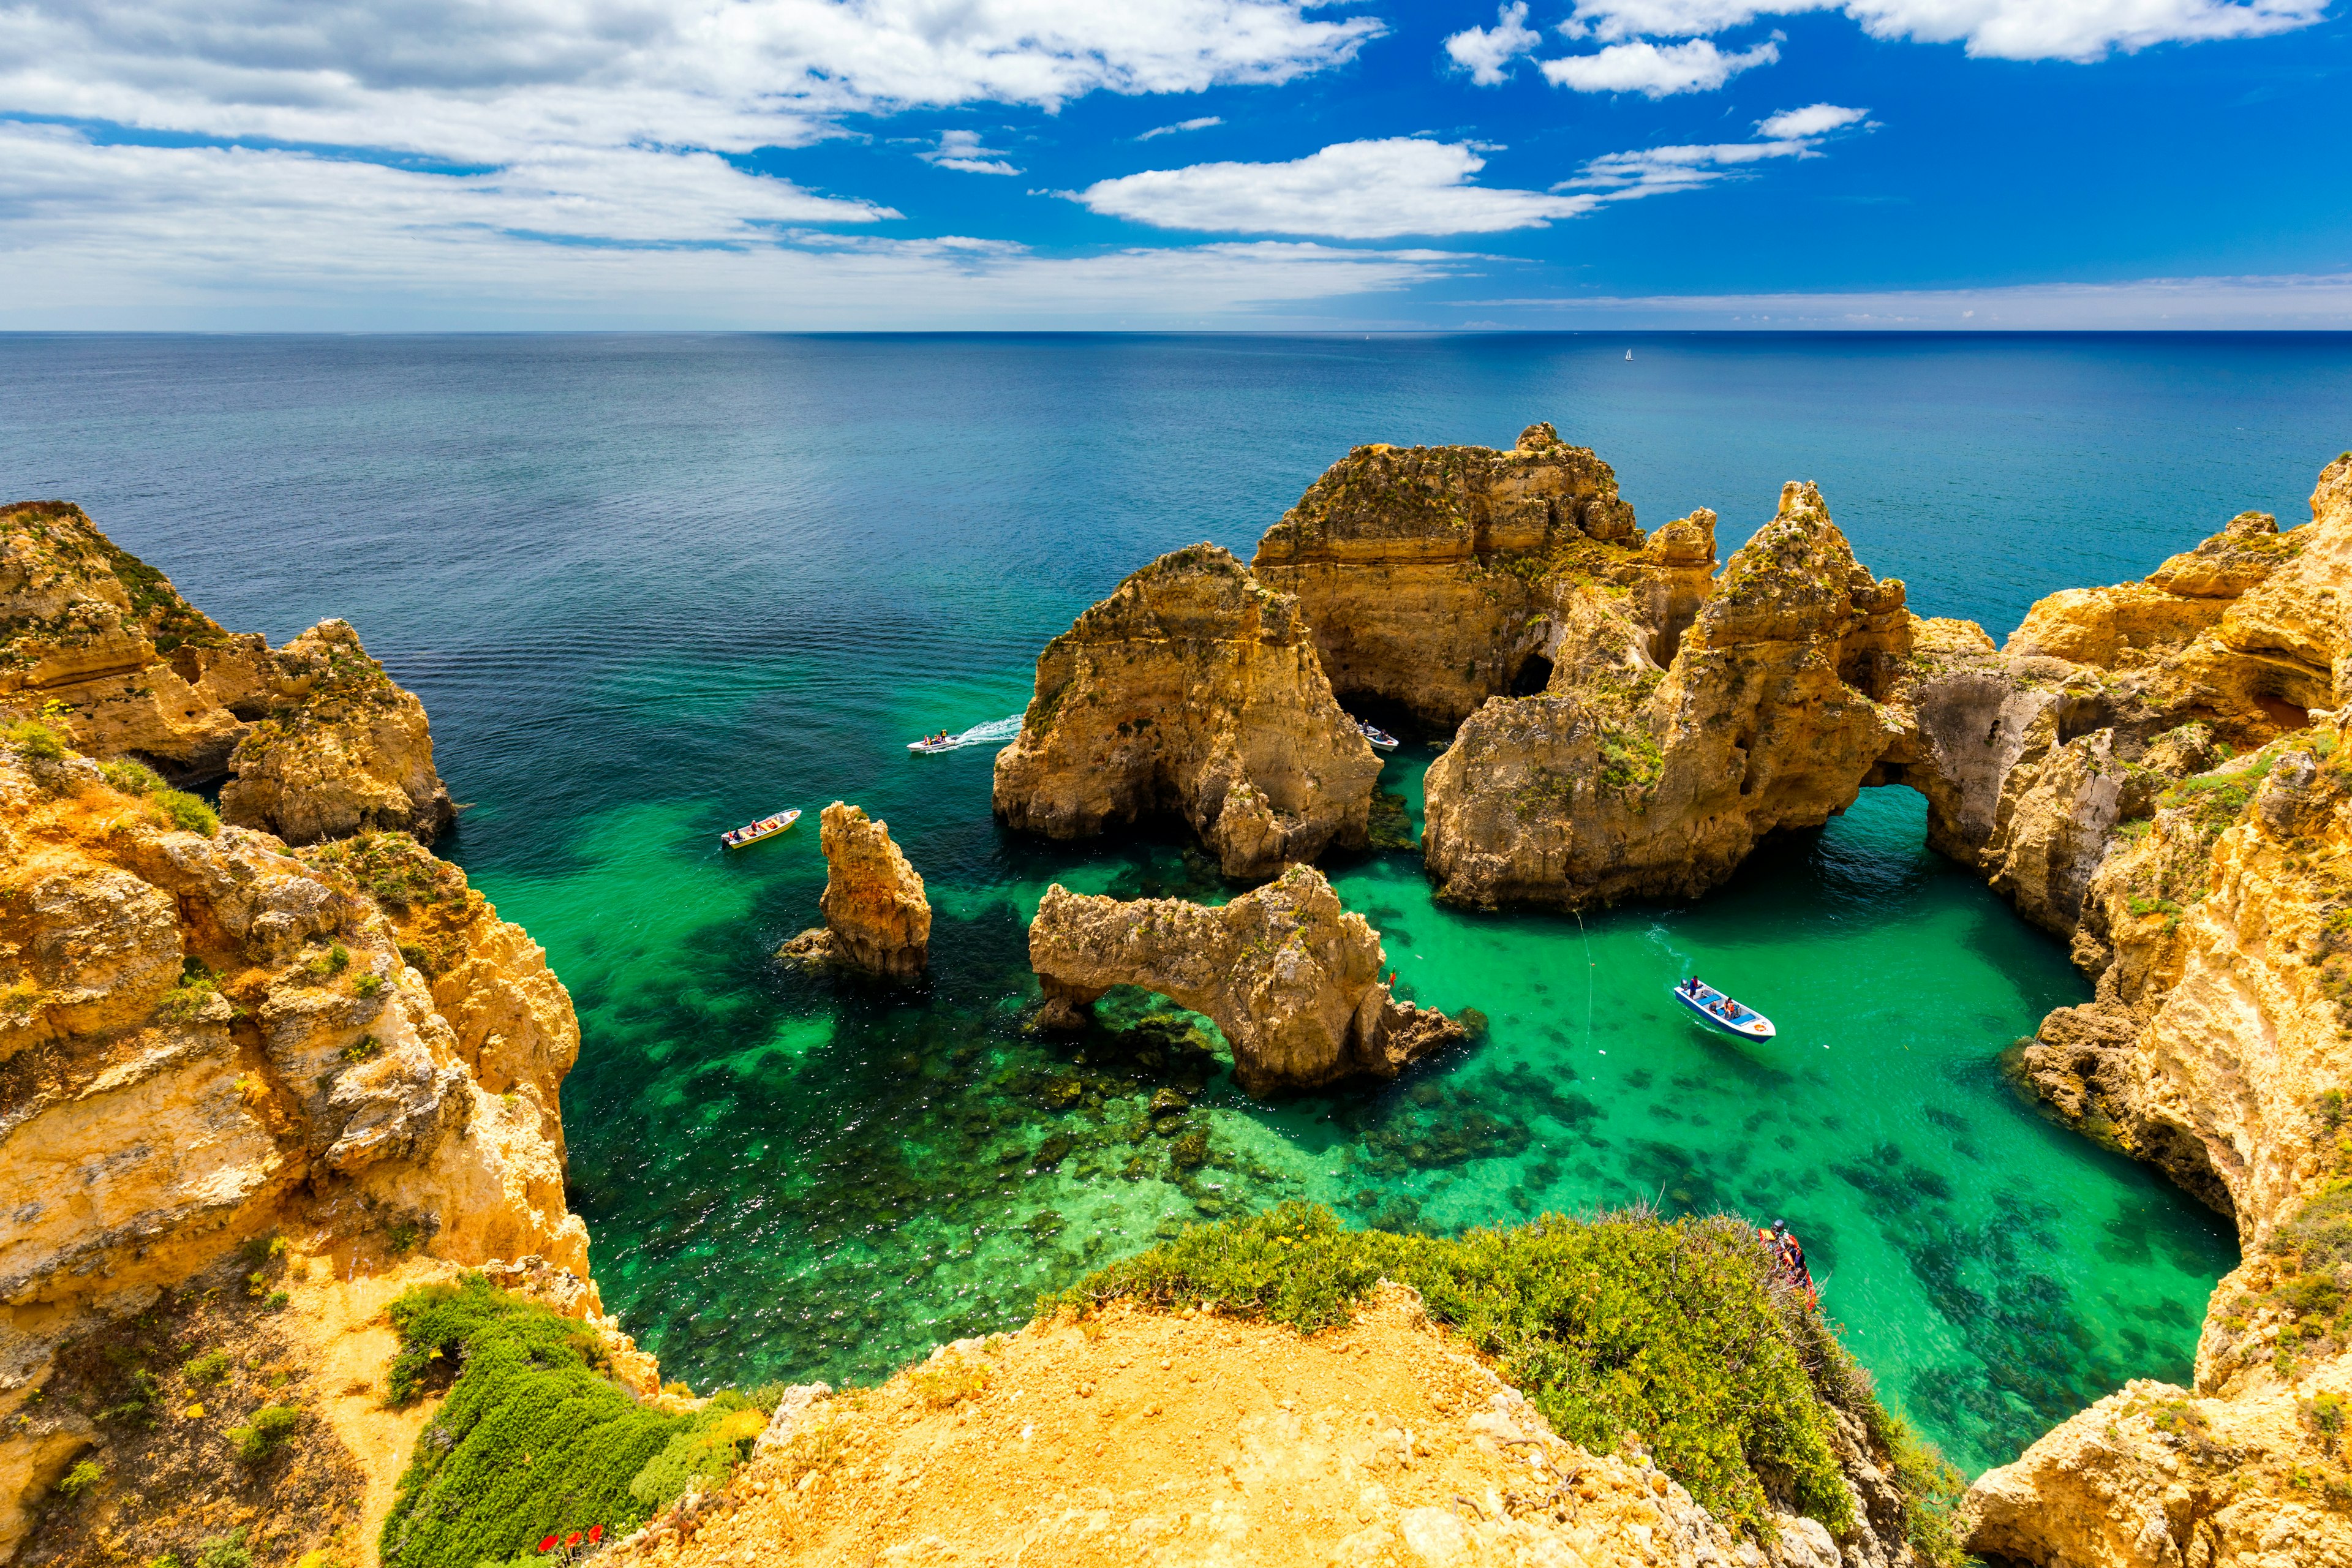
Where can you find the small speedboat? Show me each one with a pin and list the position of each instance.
(1714, 1008)
(930, 743)
(753, 832)
(1381, 739)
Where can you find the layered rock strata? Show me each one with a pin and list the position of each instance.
(205, 1038)
(1291, 978)
(314, 740)
(876, 915)
(1193, 690)
(1626, 779)
(1430, 574)
(2218, 1043)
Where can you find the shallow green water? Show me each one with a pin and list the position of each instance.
(652, 587)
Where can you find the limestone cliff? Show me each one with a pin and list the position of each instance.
(1291, 978)
(1193, 690)
(876, 916)
(205, 1038)
(1429, 574)
(314, 740)
(2218, 1043)
(1624, 779)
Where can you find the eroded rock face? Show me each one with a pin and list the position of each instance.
(1291, 978)
(1625, 780)
(1421, 569)
(203, 1039)
(1193, 690)
(315, 740)
(343, 750)
(876, 915)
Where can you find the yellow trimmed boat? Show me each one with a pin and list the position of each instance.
(753, 832)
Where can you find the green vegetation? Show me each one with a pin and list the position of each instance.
(1630, 759)
(82, 1479)
(533, 1437)
(198, 986)
(1625, 1324)
(397, 871)
(132, 778)
(225, 1551)
(334, 961)
(34, 739)
(206, 1369)
(367, 986)
(174, 808)
(271, 1426)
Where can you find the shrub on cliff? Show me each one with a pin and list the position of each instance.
(533, 1438)
(1677, 1331)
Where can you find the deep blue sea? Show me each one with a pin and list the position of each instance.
(653, 586)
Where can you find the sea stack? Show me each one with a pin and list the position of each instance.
(876, 915)
(1193, 690)
(1291, 978)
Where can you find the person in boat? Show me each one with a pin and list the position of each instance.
(1792, 1258)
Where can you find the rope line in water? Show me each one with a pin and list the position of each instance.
(1587, 976)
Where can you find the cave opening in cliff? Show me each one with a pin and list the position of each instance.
(1532, 677)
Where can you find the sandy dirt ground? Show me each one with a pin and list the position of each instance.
(1144, 1437)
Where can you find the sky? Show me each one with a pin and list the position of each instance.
(1151, 164)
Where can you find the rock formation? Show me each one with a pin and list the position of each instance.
(2211, 890)
(205, 1038)
(1624, 779)
(1193, 690)
(1430, 574)
(1291, 978)
(876, 916)
(314, 740)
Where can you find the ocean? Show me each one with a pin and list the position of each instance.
(653, 586)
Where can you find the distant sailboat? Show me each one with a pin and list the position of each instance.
(1629, 354)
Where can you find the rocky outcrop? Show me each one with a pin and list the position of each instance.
(1193, 690)
(1291, 978)
(343, 750)
(1624, 779)
(204, 1038)
(314, 740)
(876, 916)
(1429, 574)
(2217, 1046)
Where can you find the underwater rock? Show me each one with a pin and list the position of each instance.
(1625, 780)
(1430, 574)
(877, 917)
(1194, 691)
(1291, 978)
(315, 740)
(343, 750)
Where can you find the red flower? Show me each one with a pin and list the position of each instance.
(596, 1533)
(572, 1539)
(547, 1544)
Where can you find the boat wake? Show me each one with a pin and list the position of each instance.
(995, 732)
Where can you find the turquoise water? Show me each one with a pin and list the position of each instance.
(651, 587)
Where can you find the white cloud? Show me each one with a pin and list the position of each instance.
(234, 237)
(1353, 190)
(1486, 53)
(2000, 29)
(1202, 124)
(962, 150)
(1653, 71)
(1813, 119)
(486, 83)
(2304, 300)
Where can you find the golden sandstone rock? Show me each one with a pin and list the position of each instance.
(1291, 978)
(876, 916)
(1193, 690)
(315, 740)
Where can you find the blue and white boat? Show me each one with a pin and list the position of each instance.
(1381, 739)
(1716, 1009)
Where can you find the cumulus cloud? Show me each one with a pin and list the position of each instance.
(1813, 119)
(1202, 124)
(1486, 53)
(1655, 71)
(1353, 190)
(1999, 29)
(962, 150)
(485, 83)
(194, 236)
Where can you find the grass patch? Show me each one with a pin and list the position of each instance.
(263, 1435)
(1672, 1331)
(533, 1438)
(34, 739)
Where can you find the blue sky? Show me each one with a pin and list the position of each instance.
(1232, 164)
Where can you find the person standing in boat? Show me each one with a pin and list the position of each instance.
(1792, 1259)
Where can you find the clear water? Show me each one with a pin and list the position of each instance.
(651, 587)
